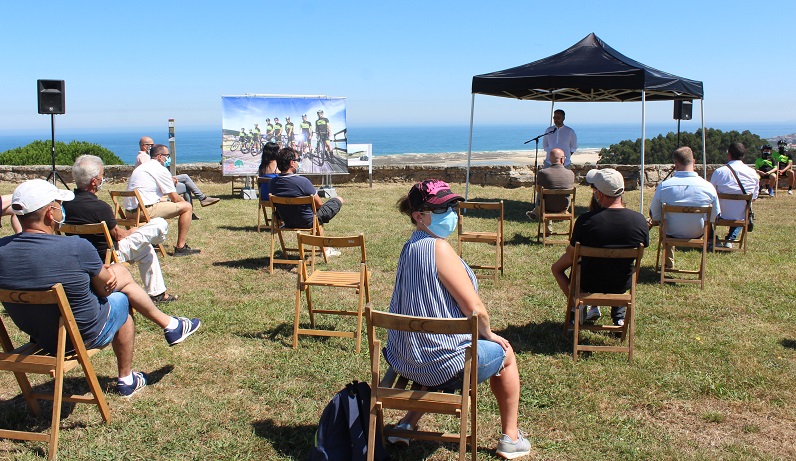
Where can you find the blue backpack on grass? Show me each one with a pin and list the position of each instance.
(342, 433)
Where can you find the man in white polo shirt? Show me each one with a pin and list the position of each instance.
(154, 182)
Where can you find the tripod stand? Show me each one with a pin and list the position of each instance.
(536, 160)
(54, 174)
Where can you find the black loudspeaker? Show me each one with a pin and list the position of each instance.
(682, 110)
(52, 96)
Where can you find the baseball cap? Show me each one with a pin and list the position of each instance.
(432, 193)
(608, 181)
(35, 194)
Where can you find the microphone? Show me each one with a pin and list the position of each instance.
(555, 128)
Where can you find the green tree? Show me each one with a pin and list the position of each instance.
(40, 153)
(659, 149)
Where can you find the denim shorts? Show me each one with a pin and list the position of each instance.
(117, 316)
(490, 361)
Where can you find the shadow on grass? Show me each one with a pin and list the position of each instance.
(789, 343)
(242, 229)
(16, 416)
(538, 338)
(283, 330)
(291, 442)
(648, 275)
(248, 263)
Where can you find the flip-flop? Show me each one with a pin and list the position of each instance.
(164, 298)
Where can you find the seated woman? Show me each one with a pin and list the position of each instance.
(268, 167)
(433, 281)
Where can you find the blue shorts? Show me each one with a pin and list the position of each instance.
(117, 316)
(490, 361)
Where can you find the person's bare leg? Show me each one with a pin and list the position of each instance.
(138, 298)
(122, 345)
(506, 388)
(183, 223)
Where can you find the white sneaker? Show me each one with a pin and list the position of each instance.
(620, 322)
(790, 192)
(593, 314)
(400, 441)
(332, 252)
(511, 449)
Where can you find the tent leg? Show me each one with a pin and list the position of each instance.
(704, 152)
(643, 138)
(469, 149)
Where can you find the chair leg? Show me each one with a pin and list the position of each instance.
(296, 316)
(309, 306)
(271, 260)
(576, 332)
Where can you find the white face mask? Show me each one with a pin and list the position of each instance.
(99, 187)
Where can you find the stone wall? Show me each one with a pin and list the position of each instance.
(502, 176)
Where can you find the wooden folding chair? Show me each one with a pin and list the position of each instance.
(724, 244)
(358, 280)
(278, 228)
(131, 218)
(490, 237)
(390, 392)
(99, 229)
(262, 210)
(547, 216)
(31, 359)
(665, 242)
(579, 301)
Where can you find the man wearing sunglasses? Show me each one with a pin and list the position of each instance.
(289, 184)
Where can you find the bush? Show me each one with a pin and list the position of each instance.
(659, 149)
(40, 153)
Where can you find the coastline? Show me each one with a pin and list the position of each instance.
(490, 158)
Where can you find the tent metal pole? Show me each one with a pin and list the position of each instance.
(704, 152)
(643, 138)
(469, 149)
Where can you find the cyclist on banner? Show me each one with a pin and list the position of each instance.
(269, 130)
(242, 136)
(256, 133)
(278, 132)
(322, 128)
(305, 144)
(289, 132)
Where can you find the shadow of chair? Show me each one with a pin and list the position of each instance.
(30, 358)
(480, 236)
(545, 196)
(667, 243)
(129, 217)
(278, 228)
(358, 280)
(390, 391)
(579, 301)
(726, 244)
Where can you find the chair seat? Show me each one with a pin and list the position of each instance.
(605, 299)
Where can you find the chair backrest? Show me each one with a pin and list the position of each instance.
(122, 199)
(605, 253)
(55, 295)
(492, 207)
(292, 201)
(319, 241)
(739, 197)
(100, 229)
(668, 210)
(546, 194)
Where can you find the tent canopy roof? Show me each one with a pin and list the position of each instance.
(590, 70)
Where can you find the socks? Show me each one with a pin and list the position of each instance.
(126, 379)
(173, 323)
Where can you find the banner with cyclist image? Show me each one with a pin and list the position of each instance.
(313, 125)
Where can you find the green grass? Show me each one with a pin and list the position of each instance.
(712, 375)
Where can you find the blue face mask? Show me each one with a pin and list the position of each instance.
(63, 216)
(443, 225)
(167, 163)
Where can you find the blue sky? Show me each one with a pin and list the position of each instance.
(136, 64)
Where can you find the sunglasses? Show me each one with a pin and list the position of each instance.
(438, 210)
(297, 159)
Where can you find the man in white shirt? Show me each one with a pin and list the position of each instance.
(726, 183)
(561, 137)
(684, 188)
(154, 181)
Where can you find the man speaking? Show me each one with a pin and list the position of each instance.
(559, 136)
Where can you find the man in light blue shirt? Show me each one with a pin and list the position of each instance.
(684, 188)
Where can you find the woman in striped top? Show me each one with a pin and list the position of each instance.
(433, 281)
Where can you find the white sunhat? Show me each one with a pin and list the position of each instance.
(35, 194)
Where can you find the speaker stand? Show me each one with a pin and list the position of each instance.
(54, 174)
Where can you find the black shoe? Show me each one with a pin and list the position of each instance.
(185, 251)
(194, 217)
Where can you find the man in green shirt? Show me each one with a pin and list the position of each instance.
(764, 165)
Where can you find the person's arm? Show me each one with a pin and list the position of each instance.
(454, 278)
(656, 208)
(175, 197)
(104, 283)
(118, 233)
(317, 200)
(559, 269)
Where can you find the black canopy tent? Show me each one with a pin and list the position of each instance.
(589, 71)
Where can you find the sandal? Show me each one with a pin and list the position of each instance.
(164, 298)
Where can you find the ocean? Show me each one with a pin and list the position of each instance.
(204, 145)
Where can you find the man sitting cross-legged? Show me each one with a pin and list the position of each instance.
(153, 181)
(134, 245)
(609, 226)
(101, 296)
